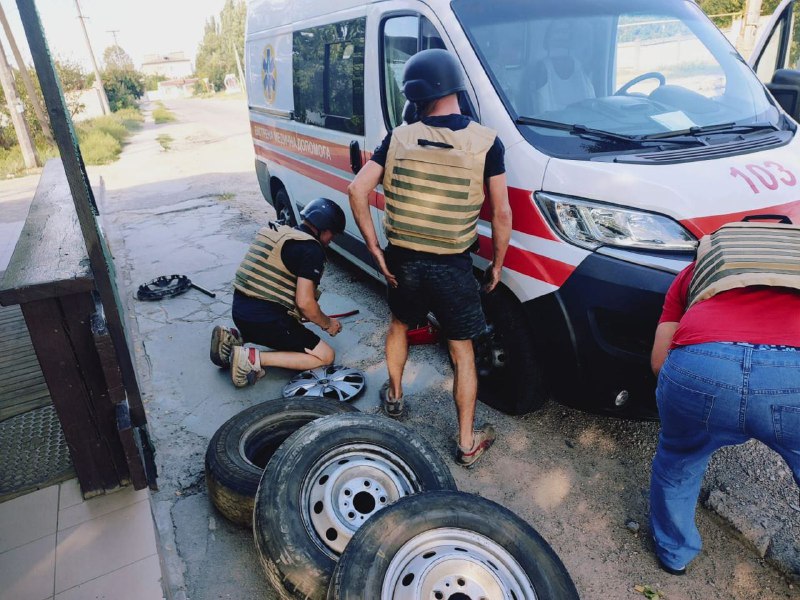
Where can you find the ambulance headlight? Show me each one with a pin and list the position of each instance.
(591, 225)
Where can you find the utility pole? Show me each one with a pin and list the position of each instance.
(242, 83)
(749, 31)
(26, 79)
(114, 33)
(98, 81)
(15, 110)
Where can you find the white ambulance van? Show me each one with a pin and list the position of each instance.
(631, 128)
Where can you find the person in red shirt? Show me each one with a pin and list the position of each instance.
(728, 371)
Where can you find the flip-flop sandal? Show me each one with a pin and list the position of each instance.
(392, 408)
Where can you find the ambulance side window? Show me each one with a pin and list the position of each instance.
(328, 78)
(402, 37)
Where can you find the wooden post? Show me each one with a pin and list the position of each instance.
(26, 78)
(16, 112)
(99, 255)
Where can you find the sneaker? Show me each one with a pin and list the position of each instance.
(245, 366)
(483, 440)
(222, 342)
(393, 408)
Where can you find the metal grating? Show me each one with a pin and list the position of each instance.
(33, 453)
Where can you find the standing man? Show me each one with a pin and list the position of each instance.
(275, 286)
(727, 356)
(433, 174)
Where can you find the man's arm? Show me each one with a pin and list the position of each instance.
(501, 228)
(370, 175)
(664, 334)
(307, 303)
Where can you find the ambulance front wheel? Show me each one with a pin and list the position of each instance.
(510, 373)
(283, 208)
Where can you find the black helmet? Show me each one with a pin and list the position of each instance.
(432, 74)
(324, 214)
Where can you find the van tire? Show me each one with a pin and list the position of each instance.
(283, 208)
(510, 374)
(297, 560)
(242, 446)
(379, 552)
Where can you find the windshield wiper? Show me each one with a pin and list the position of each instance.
(701, 130)
(590, 133)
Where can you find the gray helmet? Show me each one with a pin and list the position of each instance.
(432, 74)
(324, 214)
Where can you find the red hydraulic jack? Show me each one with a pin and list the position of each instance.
(427, 334)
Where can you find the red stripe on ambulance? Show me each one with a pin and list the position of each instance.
(533, 265)
(700, 226)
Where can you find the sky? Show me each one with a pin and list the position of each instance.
(144, 27)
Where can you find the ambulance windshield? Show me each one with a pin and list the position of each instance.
(631, 68)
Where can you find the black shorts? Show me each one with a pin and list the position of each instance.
(285, 334)
(444, 286)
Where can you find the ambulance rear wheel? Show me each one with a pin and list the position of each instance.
(283, 208)
(510, 374)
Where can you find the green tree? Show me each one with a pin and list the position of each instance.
(123, 87)
(73, 79)
(221, 38)
(115, 58)
(123, 84)
(151, 81)
(210, 61)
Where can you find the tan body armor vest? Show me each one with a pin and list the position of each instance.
(433, 184)
(262, 273)
(743, 254)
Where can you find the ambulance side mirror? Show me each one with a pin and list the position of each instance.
(356, 161)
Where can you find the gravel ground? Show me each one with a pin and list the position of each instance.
(580, 480)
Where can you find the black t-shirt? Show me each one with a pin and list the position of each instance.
(304, 258)
(495, 157)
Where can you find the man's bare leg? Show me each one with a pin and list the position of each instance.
(396, 356)
(465, 388)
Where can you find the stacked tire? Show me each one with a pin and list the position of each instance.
(242, 446)
(351, 506)
(324, 483)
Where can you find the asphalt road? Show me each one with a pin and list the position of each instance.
(579, 479)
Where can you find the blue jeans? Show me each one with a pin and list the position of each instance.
(710, 396)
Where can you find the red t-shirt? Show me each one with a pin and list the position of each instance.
(755, 314)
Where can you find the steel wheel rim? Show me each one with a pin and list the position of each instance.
(455, 564)
(346, 487)
(332, 381)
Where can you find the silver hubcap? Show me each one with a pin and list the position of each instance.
(333, 381)
(455, 564)
(346, 487)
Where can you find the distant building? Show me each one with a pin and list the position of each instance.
(174, 65)
(174, 88)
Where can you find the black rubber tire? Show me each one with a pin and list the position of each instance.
(283, 208)
(242, 446)
(290, 551)
(518, 387)
(362, 567)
